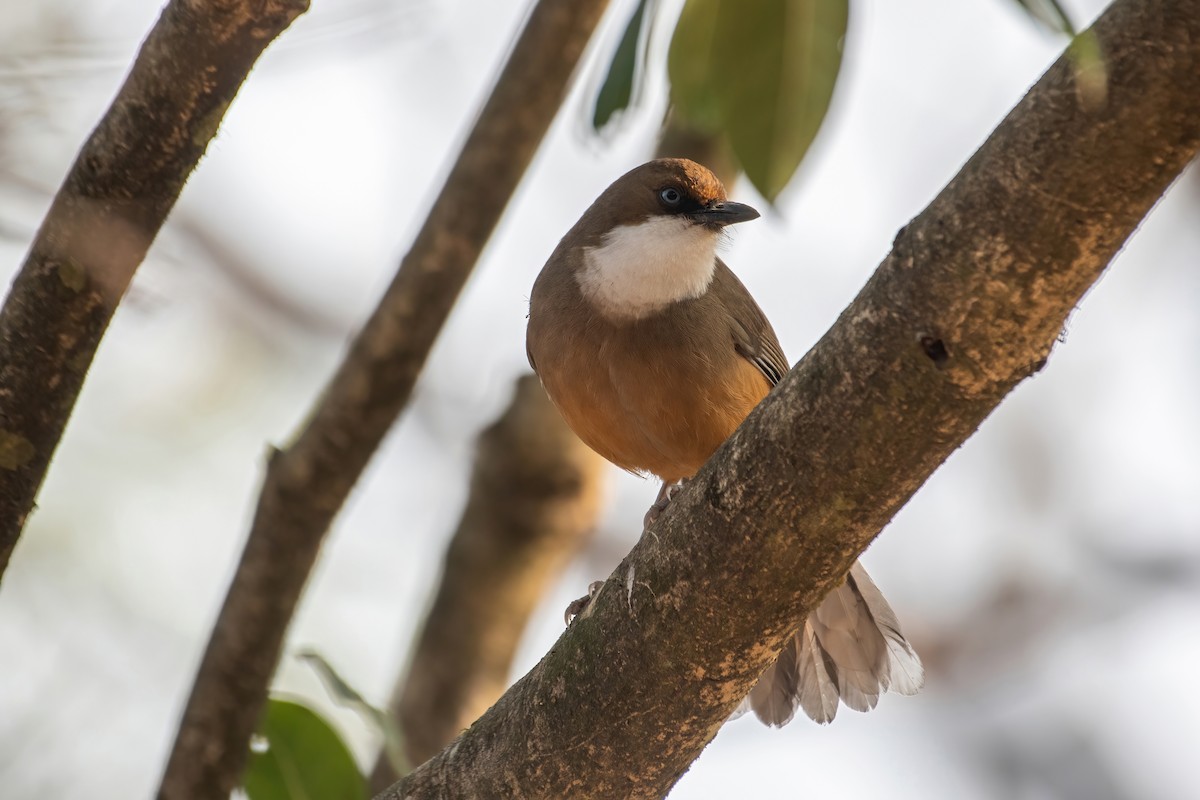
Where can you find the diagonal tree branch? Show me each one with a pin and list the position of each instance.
(117, 195)
(967, 305)
(306, 483)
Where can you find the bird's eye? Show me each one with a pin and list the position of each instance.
(670, 196)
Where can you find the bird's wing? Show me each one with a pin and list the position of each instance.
(753, 337)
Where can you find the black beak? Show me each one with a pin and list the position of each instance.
(725, 212)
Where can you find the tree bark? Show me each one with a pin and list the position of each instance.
(535, 496)
(967, 305)
(117, 195)
(307, 482)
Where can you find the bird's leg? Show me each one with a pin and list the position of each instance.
(577, 607)
(669, 489)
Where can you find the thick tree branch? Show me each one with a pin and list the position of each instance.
(967, 305)
(107, 212)
(535, 495)
(307, 482)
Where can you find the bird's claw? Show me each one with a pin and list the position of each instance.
(665, 494)
(577, 607)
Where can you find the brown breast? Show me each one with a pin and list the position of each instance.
(655, 395)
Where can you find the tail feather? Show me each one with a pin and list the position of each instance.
(773, 699)
(905, 672)
(850, 648)
(818, 690)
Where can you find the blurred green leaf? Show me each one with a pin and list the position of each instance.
(337, 687)
(1091, 72)
(691, 63)
(1048, 13)
(762, 74)
(616, 93)
(343, 693)
(301, 758)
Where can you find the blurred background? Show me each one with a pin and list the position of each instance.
(1049, 573)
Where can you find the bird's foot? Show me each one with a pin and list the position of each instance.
(577, 607)
(668, 491)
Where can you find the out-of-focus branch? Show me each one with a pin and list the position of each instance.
(678, 140)
(307, 482)
(967, 305)
(535, 495)
(117, 195)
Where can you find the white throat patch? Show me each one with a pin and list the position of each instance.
(640, 269)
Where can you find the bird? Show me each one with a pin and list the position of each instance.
(654, 352)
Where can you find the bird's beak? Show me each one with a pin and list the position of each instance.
(725, 212)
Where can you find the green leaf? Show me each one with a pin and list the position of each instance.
(1049, 14)
(303, 759)
(335, 684)
(692, 64)
(762, 74)
(616, 93)
(1091, 71)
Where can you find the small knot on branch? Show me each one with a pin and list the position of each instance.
(935, 348)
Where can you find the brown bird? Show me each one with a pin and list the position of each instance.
(654, 352)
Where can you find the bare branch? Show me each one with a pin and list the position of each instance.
(307, 482)
(119, 191)
(968, 304)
